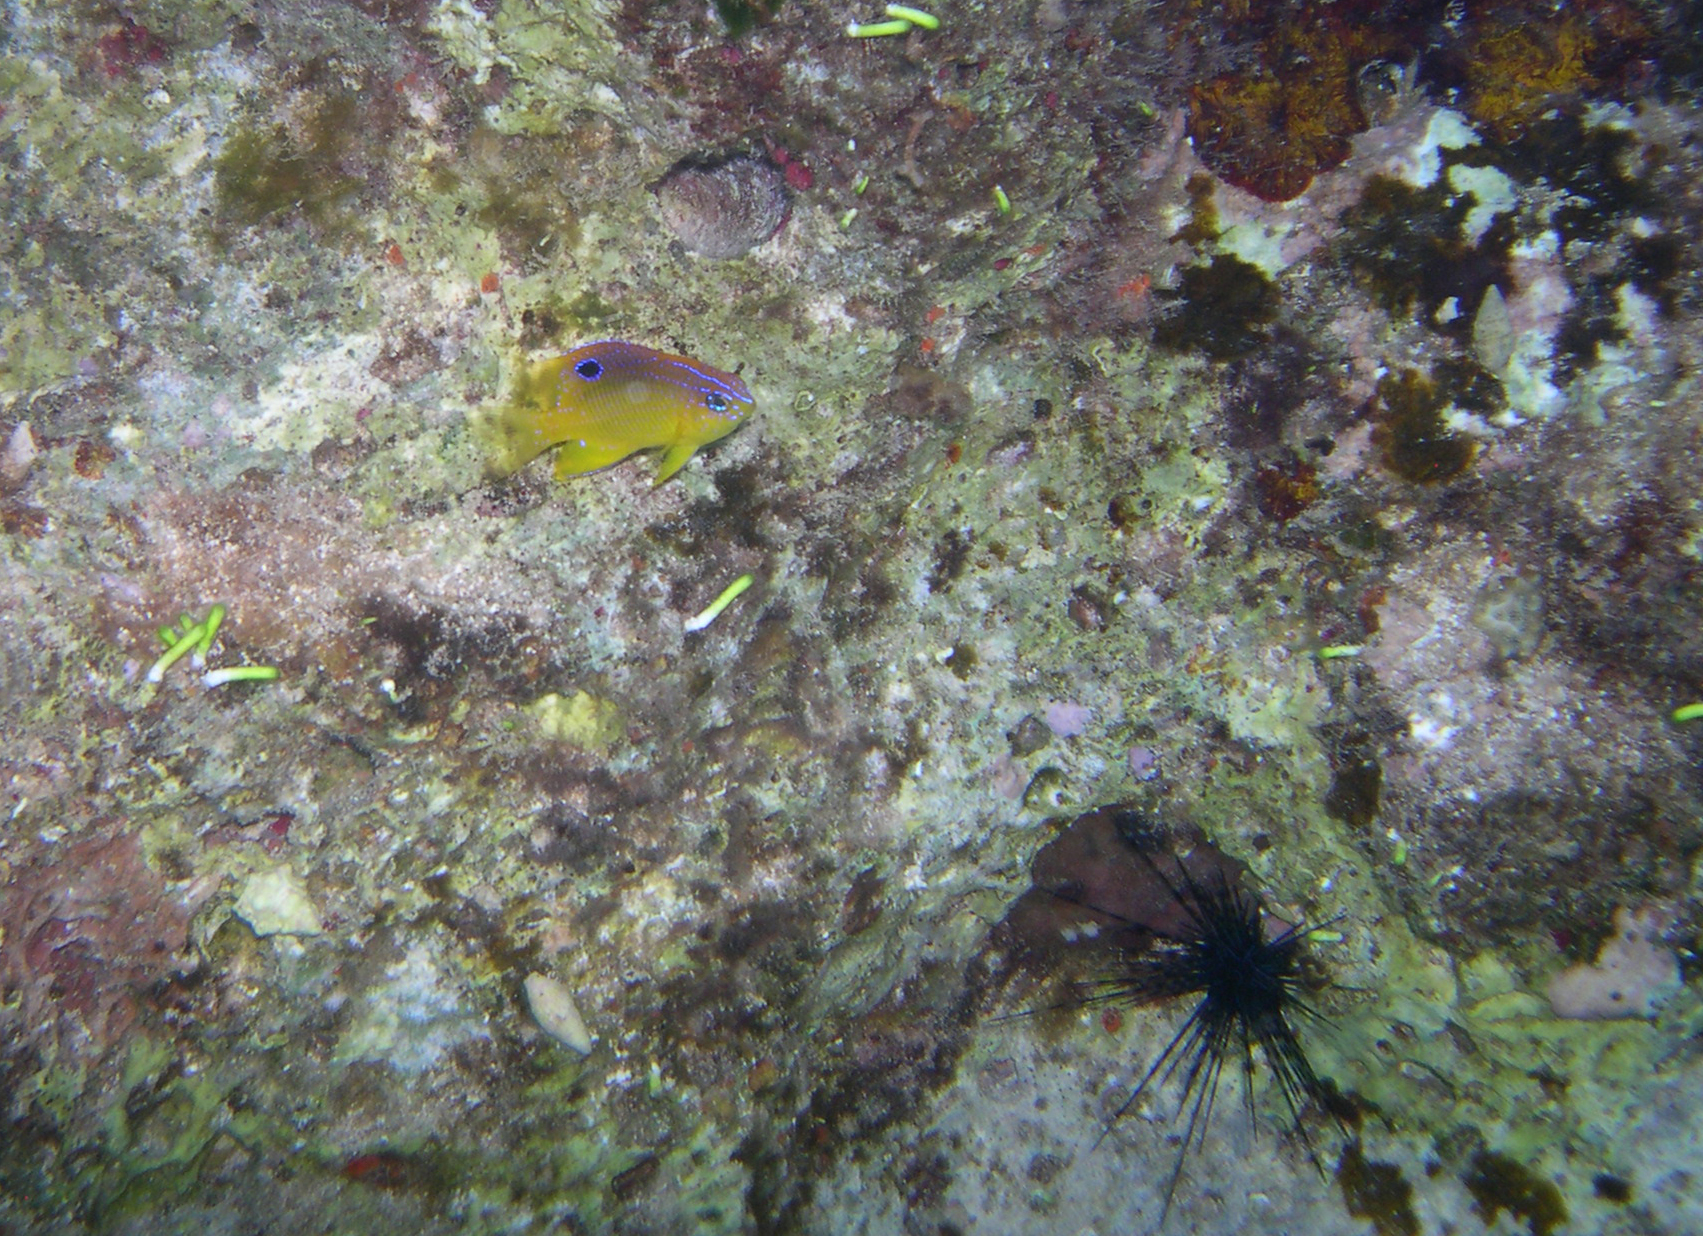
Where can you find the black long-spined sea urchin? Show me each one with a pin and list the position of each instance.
(1247, 988)
(1177, 918)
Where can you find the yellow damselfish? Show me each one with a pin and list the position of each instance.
(603, 401)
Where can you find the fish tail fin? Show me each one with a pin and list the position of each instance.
(521, 430)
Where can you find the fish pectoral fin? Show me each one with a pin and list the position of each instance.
(673, 460)
(576, 458)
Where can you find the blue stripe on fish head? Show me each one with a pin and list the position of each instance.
(722, 395)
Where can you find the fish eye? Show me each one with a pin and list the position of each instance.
(589, 369)
(715, 401)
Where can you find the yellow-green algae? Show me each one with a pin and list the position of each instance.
(581, 719)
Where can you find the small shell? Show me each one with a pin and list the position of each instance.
(1493, 336)
(19, 454)
(723, 207)
(553, 1008)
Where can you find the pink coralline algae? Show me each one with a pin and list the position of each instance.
(1633, 972)
(1067, 719)
(1143, 763)
(723, 207)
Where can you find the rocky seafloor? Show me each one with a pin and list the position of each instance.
(1281, 422)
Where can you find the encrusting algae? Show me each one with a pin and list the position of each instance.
(606, 400)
